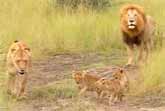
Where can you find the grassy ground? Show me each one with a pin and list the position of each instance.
(40, 24)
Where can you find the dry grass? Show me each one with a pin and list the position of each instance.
(49, 31)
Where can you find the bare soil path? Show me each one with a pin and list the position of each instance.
(59, 67)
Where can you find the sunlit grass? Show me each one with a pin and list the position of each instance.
(49, 31)
(153, 73)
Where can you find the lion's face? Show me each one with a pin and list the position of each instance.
(20, 57)
(132, 19)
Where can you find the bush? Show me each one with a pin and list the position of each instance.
(74, 4)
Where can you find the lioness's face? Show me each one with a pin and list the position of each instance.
(20, 55)
(132, 17)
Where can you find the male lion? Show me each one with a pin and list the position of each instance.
(137, 29)
(86, 82)
(18, 63)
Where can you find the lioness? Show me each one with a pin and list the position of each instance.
(85, 81)
(137, 29)
(18, 63)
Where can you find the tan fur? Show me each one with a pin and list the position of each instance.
(114, 87)
(121, 75)
(110, 87)
(18, 63)
(141, 35)
(86, 82)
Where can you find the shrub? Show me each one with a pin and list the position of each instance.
(74, 4)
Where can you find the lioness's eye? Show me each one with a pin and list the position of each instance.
(13, 50)
(28, 49)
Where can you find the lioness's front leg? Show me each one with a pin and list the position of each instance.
(11, 84)
(21, 84)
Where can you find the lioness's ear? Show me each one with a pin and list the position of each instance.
(16, 41)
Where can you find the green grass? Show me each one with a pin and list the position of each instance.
(49, 31)
(153, 73)
(59, 89)
(3, 96)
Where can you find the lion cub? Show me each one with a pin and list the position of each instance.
(115, 86)
(86, 81)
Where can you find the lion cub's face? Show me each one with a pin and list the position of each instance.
(83, 79)
(121, 75)
(19, 55)
(78, 76)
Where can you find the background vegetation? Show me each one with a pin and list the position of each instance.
(75, 26)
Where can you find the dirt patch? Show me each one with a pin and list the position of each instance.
(59, 67)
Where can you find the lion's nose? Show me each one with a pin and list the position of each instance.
(131, 20)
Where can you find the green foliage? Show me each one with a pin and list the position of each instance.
(74, 4)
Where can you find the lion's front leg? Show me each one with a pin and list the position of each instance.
(147, 51)
(130, 55)
(140, 55)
